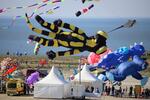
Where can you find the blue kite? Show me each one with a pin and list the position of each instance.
(129, 68)
(112, 60)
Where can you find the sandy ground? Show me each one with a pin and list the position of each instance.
(5, 97)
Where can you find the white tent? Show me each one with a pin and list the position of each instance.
(52, 86)
(86, 75)
(88, 79)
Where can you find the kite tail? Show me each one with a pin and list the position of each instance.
(116, 28)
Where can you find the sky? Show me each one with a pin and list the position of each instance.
(128, 9)
(68, 8)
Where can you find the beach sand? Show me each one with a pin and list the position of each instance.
(5, 97)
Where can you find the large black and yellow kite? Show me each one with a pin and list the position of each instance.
(76, 39)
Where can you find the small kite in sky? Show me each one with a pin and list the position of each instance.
(85, 10)
(83, 1)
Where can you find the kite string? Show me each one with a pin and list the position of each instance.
(29, 6)
(128, 24)
(19, 7)
(50, 11)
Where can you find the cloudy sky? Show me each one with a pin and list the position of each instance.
(68, 8)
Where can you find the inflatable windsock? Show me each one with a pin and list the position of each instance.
(84, 10)
(9, 71)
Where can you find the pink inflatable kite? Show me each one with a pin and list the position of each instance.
(94, 58)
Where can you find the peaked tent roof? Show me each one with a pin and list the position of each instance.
(86, 76)
(52, 78)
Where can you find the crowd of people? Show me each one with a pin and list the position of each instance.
(91, 90)
(17, 53)
(126, 92)
(28, 89)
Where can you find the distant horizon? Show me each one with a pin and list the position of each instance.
(15, 38)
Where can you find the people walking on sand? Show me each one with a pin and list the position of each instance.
(120, 91)
(105, 90)
(92, 89)
(27, 89)
(130, 90)
(126, 91)
(97, 90)
(87, 89)
(71, 91)
(112, 90)
(108, 90)
(147, 92)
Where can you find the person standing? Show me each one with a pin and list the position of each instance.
(130, 90)
(113, 90)
(108, 90)
(27, 89)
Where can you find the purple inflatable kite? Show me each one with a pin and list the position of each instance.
(34, 77)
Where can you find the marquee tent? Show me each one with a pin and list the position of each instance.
(52, 86)
(88, 79)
